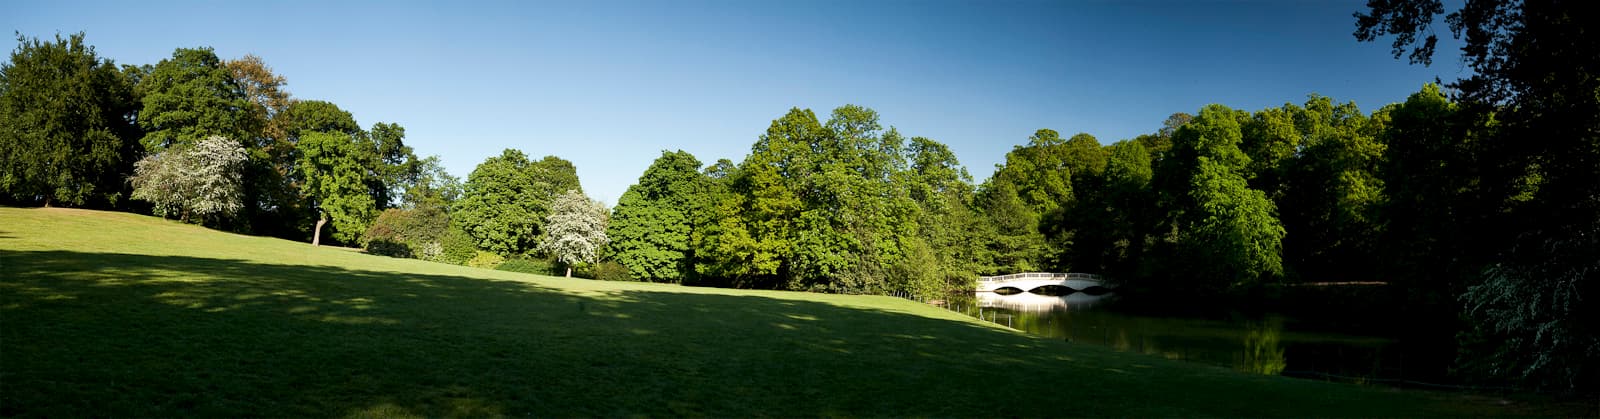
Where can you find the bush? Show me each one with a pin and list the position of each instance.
(390, 248)
(612, 271)
(456, 247)
(527, 266)
(485, 260)
(401, 232)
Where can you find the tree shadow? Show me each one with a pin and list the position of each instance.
(136, 335)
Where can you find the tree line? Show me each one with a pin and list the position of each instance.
(1478, 202)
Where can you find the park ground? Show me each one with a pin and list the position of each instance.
(115, 314)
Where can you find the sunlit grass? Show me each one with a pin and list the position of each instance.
(110, 314)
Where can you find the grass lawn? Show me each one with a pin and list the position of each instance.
(113, 314)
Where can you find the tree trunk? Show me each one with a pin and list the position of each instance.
(569, 271)
(47, 201)
(316, 234)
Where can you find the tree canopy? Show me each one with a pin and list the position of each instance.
(65, 124)
(203, 179)
(575, 230)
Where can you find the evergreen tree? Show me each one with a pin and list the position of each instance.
(65, 130)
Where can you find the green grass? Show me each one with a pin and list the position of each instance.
(112, 314)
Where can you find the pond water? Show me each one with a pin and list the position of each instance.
(1269, 345)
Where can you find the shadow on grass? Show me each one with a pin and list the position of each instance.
(135, 335)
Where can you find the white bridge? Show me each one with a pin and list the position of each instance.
(1033, 280)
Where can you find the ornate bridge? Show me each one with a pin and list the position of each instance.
(1032, 280)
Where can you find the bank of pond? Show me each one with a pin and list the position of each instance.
(1256, 343)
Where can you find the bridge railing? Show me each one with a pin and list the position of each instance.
(1042, 275)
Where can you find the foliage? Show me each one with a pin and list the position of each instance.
(1538, 305)
(456, 247)
(396, 166)
(189, 97)
(612, 271)
(505, 200)
(203, 179)
(65, 135)
(434, 187)
(407, 232)
(1228, 234)
(333, 167)
(1530, 107)
(527, 266)
(485, 260)
(651, 226)
(575, 230)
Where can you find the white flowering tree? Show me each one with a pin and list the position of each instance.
(575, 230)
(200, 180)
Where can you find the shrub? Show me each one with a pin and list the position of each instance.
(612, 271)
(401, 232)
(527, 266)
(390, 248)
(486, 260)
(457, 247)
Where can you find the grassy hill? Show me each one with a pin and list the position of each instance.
(113, 314)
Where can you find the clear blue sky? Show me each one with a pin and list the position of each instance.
(608, 85)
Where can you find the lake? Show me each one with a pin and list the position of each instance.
(1269, 345)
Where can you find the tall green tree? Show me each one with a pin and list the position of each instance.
(652, 224)
(507, 197)
(434, 188)
(189, 97)
(1132, 205)
(1109, 222)
(66, 135)
(1015, 244)
(575, 230)
(396, 166)
(757, 239)
(1228, 235)
(335, 169)
(1329, 192)
(726, 252)
(949, 225)
(1534, 67)
(1044, 175)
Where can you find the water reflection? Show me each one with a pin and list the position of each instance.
(1263, 352)
(1038, 303)
(1261, 346)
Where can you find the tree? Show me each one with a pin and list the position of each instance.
(1109, 223)
(334, 167)
(1534, 67)
(434, 186)
(396, 166)
(1329, 192)
(1228, 234)
(264, 91)
(507, 197)
(754, 237)
(189, 97)
(651, 226)
(202, 179)
(1131, 203)
(1015, 243)
(575, 230)
(65, 124)
(950, 228)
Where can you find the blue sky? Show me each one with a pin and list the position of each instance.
(608, 85)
